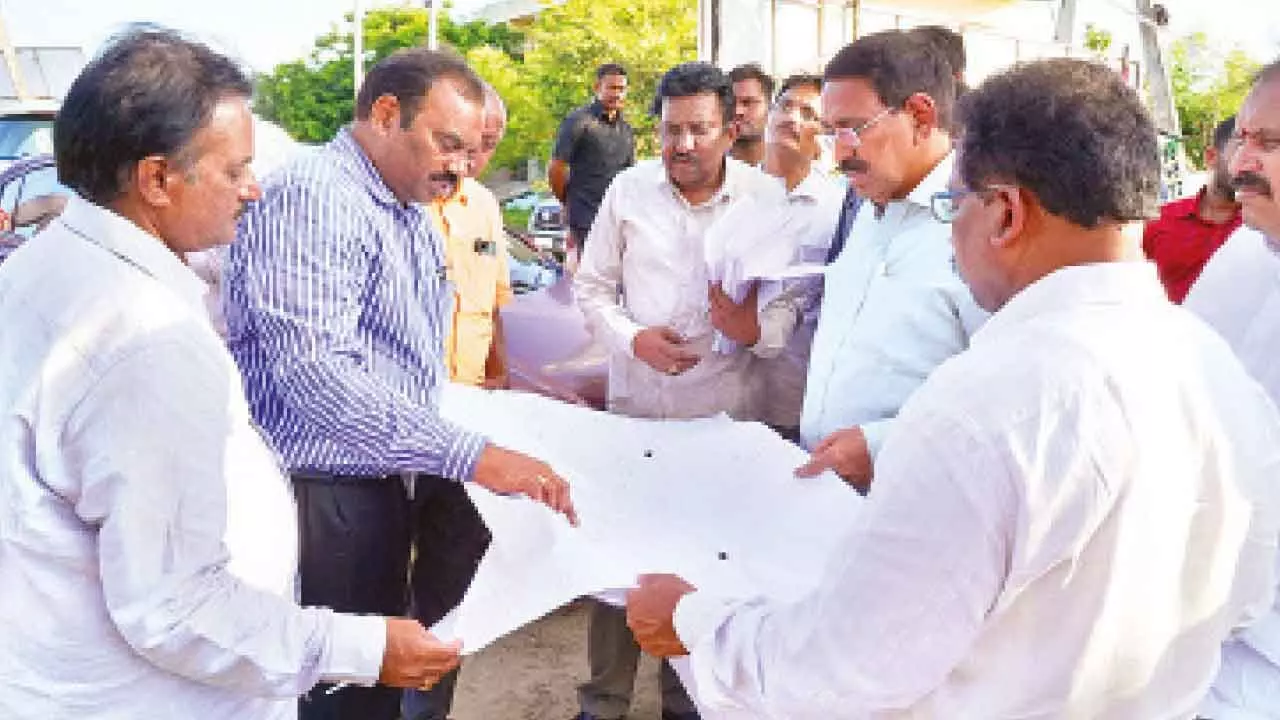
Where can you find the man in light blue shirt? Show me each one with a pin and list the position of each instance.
(893, 307)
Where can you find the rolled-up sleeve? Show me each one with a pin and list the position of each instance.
(305, 296)
(599, 279)
(155, 477)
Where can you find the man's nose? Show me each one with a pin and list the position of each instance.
(251, 190)
(1245, 158)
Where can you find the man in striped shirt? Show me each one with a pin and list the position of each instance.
(337, 307)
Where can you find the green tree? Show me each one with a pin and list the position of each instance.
(1209, 84)
(312, 97)
(568, 41)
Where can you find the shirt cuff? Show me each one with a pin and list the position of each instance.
(697, 617)
(875, 433)
(626, 331)
(354, 649)
(463, 454)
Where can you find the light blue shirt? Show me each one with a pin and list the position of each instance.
(893, 308)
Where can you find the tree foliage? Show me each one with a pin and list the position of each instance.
(1209, 85)
(542, 71)
(314, 96)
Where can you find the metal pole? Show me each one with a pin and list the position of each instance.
(1065, 32)
(357, 52)
(1163, 109)
(433, 33)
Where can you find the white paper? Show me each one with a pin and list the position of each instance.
(712, 500)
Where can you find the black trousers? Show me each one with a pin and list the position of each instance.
(356, 537)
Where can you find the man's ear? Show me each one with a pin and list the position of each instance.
(154, 177)
(1021, 212)
(384, 114)
(924, 114)
(1210, 157)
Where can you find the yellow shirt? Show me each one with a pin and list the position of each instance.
(476, 256)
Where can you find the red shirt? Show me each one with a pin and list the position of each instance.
(1180, 243)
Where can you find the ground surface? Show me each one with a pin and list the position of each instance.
(534, 674)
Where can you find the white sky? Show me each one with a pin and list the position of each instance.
(265, 32)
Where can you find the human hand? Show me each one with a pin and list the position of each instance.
(501, 382)
(507, 472)
(651, 609)
(736, 321)
(415, 658)
(663, 349)
(846, 452)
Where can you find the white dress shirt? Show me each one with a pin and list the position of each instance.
(788, 309)
(644, 266)
(893, 308)
(1068, 518)
(148, 540)
(1238, 294)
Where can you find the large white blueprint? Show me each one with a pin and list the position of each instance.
(712, 500)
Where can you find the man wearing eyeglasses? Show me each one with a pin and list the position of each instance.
(643, 287)
(893, 308)
(1238, 294)
(1071, 514)
(776, 318)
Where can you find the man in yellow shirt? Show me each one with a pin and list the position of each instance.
(476, 254)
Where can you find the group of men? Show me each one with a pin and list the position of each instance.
(1069, 481)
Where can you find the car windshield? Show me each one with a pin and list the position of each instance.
(20, 137)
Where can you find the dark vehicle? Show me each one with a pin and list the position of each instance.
(547, 225)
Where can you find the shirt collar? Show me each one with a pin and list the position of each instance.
(934, 182)
(130, 243)
(345, 145)
(597, 108)
(1108, 283)
(813, 186)
(736, 174)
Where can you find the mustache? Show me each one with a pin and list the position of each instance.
(1251, 181)
(854, 164)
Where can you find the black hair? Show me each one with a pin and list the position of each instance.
(898, 65)
(608, 69)
(800, 80)
(1223, 132)
(148, 92)
(408, 74)
(1069, 131)
(752, 71)
(696, 78)
(949, 42)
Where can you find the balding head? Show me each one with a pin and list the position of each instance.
(495, 126)
(1255, 160)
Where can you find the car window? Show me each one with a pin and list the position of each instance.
(22, 137)
(28, 202)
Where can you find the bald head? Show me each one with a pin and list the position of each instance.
(495, 126)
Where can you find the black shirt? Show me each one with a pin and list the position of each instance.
(595, 150)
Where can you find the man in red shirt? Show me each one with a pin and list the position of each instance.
(1192, 229)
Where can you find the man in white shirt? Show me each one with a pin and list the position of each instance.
(780, 332)
(643, 287)
(148, 541)
(1238, 294)
(892, 307)
(1070, 515)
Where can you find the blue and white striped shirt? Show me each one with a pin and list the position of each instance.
(336, 307)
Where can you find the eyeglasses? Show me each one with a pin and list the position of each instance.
(853, 136)
(945, 205)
